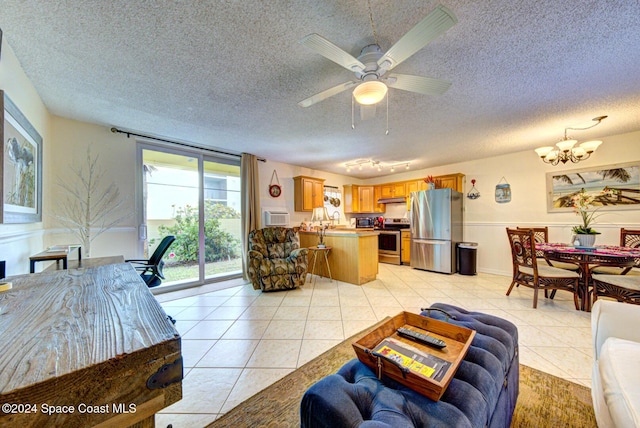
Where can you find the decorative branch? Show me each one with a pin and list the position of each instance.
(88, 204)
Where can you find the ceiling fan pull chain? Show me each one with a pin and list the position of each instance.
(387, 133)
(353, 123)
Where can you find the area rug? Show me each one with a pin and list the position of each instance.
(544, 400)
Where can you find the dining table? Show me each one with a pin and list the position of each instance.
(586, 258)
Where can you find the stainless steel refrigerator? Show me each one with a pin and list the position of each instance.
(436, 228)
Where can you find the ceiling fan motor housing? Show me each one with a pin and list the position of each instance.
(369, 56)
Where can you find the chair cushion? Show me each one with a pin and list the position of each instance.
(620, 379)
(632, 282)
(550, 271)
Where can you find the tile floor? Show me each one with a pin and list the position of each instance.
(237, 341)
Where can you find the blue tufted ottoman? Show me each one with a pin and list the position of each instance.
(483, 392)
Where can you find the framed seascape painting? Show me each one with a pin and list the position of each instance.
(21, 160)
(621, 183)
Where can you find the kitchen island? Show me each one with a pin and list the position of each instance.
(354, 253)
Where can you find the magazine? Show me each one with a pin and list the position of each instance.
(414, 359)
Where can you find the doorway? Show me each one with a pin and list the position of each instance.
(196, 198)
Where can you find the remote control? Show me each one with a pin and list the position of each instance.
(422, 338)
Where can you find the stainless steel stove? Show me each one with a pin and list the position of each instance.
(389, 243)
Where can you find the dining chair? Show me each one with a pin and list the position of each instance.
(151, 269)
(623, 288)
(527, 271)
(541, 235)
(628, 238)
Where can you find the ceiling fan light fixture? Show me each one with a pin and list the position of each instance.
(370, 93)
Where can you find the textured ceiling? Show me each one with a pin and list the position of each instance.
(229, 74)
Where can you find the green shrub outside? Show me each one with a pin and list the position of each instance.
(219, 244)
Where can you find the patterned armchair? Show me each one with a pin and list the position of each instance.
(276, 261)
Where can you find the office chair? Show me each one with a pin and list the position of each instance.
(151, 270)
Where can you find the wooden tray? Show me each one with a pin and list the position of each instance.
(458, 340)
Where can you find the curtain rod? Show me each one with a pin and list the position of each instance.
(129, 134)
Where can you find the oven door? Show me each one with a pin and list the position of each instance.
(389, 247)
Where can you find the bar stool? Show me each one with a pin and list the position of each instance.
(325, 252)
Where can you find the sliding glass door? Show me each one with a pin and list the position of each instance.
(196, 198)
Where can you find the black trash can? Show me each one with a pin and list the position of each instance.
(467, 254)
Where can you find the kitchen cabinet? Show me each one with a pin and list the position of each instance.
(450, 181)
(405, 247)
(308, 193)
(377, 194)
(359, 199)
(415, 186)
(393, 190)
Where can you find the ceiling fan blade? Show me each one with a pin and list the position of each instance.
(326, 94)
(434, 24)
(367, 112)
(324, 47)
(419, 84)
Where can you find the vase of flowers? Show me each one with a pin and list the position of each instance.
(582, 202)
(431, 182)
(320, 231)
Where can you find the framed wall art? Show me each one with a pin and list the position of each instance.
(21, 160)
(623, 180)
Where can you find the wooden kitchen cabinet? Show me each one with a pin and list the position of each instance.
(405, 247)
(415, 186)
(377, 194)
(308, 193)
(451, 181)
(393, 190)
(359, 199)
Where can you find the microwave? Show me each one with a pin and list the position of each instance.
(365, 222)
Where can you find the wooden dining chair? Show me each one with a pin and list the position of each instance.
(623, 288)
(527, 271)
(541, 235)
(628, 238)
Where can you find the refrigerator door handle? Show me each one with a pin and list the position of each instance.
(431, 241)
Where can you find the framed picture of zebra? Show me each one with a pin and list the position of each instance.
(21, 161)
(613, 187)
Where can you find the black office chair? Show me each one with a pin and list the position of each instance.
(151, 270)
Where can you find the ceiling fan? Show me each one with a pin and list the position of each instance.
(372, 64)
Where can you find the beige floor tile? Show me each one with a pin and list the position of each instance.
(321, 329)
(246, 329)
(292, 312)
(208, 329)
(276, 354)
(252, 381)
(226, 313)
(312, 348)
(258, 313)
(285, 329)
(194, 350)
(196, 313)
(204, 390)
(325, 313)
(229, 353)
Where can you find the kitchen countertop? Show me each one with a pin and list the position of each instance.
(345, 232)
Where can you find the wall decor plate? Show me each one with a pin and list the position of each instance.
(503, 192)
(275, 190)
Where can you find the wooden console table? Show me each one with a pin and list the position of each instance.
(86, 347)
(56, 255)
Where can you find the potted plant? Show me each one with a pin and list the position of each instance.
(581, 203)
(431, 182)
(320, 231)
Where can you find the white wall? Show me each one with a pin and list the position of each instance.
(19, 241)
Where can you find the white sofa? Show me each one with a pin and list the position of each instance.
(615, 382)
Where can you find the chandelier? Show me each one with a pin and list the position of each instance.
(566, 151)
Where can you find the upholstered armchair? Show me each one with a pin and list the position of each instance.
(276, 261)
